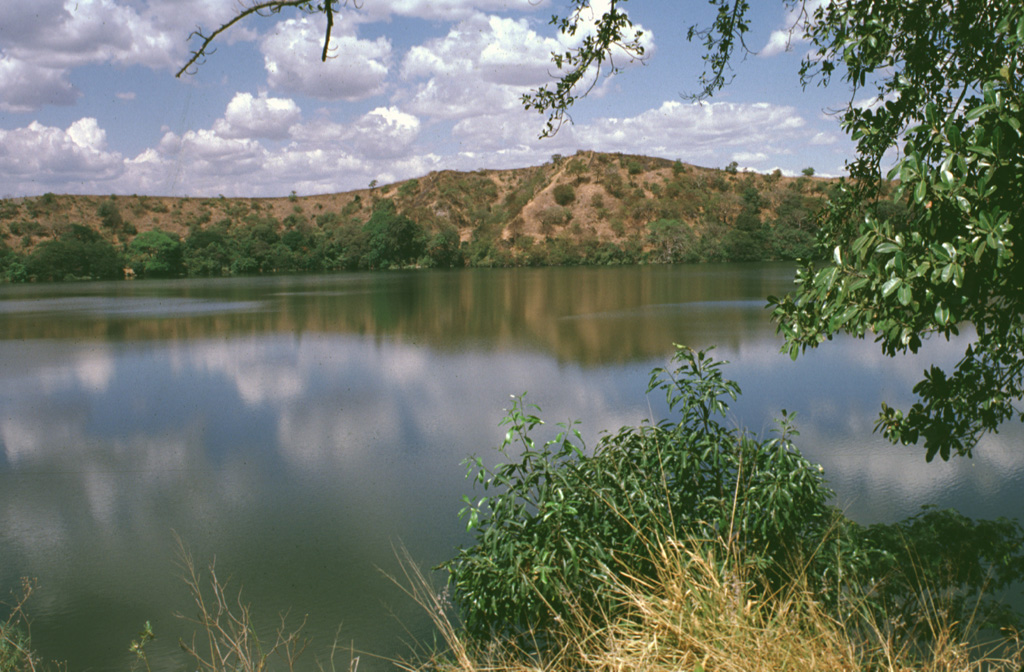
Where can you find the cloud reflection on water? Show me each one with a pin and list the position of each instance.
(298, 443)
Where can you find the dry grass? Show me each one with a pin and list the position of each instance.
(225, 639)
(702, 613)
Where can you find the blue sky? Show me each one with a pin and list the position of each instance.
(89, 102)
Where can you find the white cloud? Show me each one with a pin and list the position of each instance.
(356, 69)
(798, 18)
(25, 86)
(698, 130)
(778, 42)
(482, 66)
(445, 10)
(749, 158)
(823, 138)
(209, 155)
(59, 35)
(260, 117)
(514, 131)
(87, 135)
(96, 31)
(38, 154)
(385, 132)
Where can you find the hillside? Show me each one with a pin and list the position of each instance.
(588, 208)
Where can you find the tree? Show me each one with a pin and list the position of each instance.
(947, 81)
(78, 253)
(392, 239)
(156, 254)
(444, 248)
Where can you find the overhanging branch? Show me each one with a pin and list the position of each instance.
(263, 9)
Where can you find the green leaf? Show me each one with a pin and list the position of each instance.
(920, 191)
(977, 112)
(891, 286)
(905, 294)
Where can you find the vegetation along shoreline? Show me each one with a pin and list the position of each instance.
(590, 208)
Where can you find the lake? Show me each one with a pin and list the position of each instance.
(299, 429)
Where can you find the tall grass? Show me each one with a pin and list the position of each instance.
(705, 610)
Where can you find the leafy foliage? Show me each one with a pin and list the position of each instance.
(156, 254)
(558, 528)
(948, 76)
(557, 522)
(611, 34)
(392, 239)
(79, 253)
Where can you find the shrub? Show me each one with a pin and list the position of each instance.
(557, 522)
(671, 241)
(409, 189)
(110, 215)
(560, 530)
(552, 217)
(564, 194)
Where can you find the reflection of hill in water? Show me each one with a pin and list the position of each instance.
(588, 315)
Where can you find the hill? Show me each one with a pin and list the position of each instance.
(588, 208)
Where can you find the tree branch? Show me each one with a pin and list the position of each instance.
(273, 7)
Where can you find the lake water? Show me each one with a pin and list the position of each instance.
(298, 429)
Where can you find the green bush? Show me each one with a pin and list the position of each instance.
(444, 249)
(207, 252)
(558, 528)
(564, 194)
(556, 523)
(409, 189)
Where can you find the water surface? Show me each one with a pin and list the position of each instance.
(296, 429)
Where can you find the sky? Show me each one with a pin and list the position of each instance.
(89, 101)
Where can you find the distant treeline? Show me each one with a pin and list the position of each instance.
(593, 209)
(388, 239)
